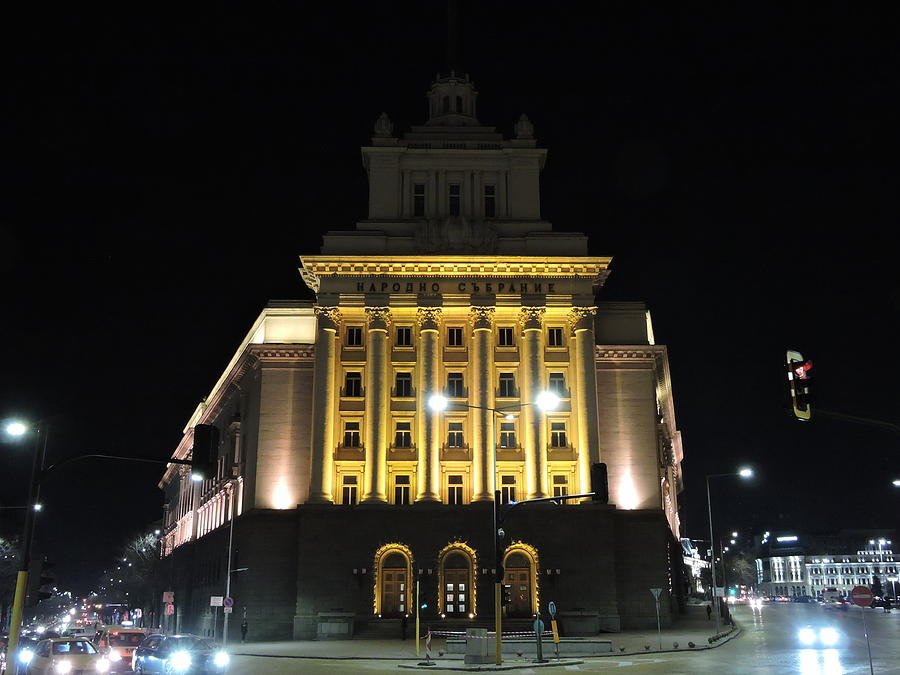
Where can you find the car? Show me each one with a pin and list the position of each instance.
(839, 604)
(811, 636)
(183, 653)
(64, 655)
(118, 643)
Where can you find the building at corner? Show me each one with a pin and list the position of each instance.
(348, 490)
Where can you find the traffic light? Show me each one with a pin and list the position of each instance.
(507, 594)
(799, 380)
(40, 581)
(205, 455)
(599, 483)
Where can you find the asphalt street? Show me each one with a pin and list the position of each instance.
(768, 644)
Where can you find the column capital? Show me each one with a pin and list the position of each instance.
(428, 318)
(481, 317)
(531, 318)
(581, 318)
(379, 318)
(329, 317)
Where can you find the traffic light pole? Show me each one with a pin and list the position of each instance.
(18, 607)
(498, 558)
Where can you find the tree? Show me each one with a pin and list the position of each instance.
(134, 577)
(742, 569)
(9, 555)
(877, 589)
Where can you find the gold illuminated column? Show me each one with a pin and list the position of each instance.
(321, 473)
(428, 382)
(484, 454)
(581, 320)
(531, 376)
(378, 405)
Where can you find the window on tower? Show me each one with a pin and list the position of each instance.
(454, 489)
(455, 337)
(455, 435)
(401, 489)
(508, 435)
(455, 195)
(353, 384)
(490, 201)
(348, 489)
(507, 489)
(404, 336)
(507, 387)
(403, 435)
(557, 384)
(403, 385)
(558, 435)
(351, 435)
(419, 200)
(455, 388)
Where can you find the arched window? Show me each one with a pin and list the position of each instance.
(446, 104)
(520, 565)
(393, 571)
(459, 105)
(457, 581)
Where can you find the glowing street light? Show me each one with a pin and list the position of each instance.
(896, 482)
(745, 473)
(16, 429)
(437, 402)
(547, 400)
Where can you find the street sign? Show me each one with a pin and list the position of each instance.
(861, 596)
(656, 592)
(170, 609)
(228, 602)
(227, 609)
(168, 596)
(552, 609)
(216, 600)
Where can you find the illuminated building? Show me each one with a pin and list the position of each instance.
(349, 486)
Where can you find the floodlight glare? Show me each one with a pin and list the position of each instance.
(547, 400)
(16, 429)
(745, 473)
(437, 402)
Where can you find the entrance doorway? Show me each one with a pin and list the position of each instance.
(456, 585)
(517, 574)
(394, 586)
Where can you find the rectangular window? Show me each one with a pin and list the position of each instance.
(354, 336)
(557, 384)
(506, 337)
(401, 489)
(508, 435)
(353, 385)
(404, 336)
(555, 337)
(403, 385)
(403, 435)
(455, 194)
(490, 201)
(351, 435)
(507, 489)
(348, 490)
(455, 435)
(455, 337)
(454, 489)
(455, 387)
(558, 435)
(419, 200)
(507, 387)
(560, 485)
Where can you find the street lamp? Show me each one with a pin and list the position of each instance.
(743, 473)
(19, 429)
(896, 482)
(546, 401)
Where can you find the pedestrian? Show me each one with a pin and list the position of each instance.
(403, 623)
(243, 631)
(708, 612)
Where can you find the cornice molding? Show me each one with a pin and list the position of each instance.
(454, 266)
(288, 351)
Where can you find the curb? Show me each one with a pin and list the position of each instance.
(478, 668)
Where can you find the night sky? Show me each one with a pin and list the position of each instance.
(164, 170)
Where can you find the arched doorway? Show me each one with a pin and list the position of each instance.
(457, 588)
(519, 572)
(394, 566)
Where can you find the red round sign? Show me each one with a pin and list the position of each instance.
(861, 596)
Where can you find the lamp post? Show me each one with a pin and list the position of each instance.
(32, 507)
(545, 400)
(743, 473)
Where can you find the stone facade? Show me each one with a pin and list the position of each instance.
(455, 351)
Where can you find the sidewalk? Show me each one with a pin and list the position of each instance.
(690, 627)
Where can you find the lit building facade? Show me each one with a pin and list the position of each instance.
(805, 571)
(348, 487)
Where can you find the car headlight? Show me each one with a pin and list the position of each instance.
(829, 636)
(102, 666)
(113, 655)
(221, 659)
(63, 667)
(26, 655)
(807, 636)
(181, 661)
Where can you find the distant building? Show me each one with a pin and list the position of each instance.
(798, 565)
(349, 491)
(699, 576)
